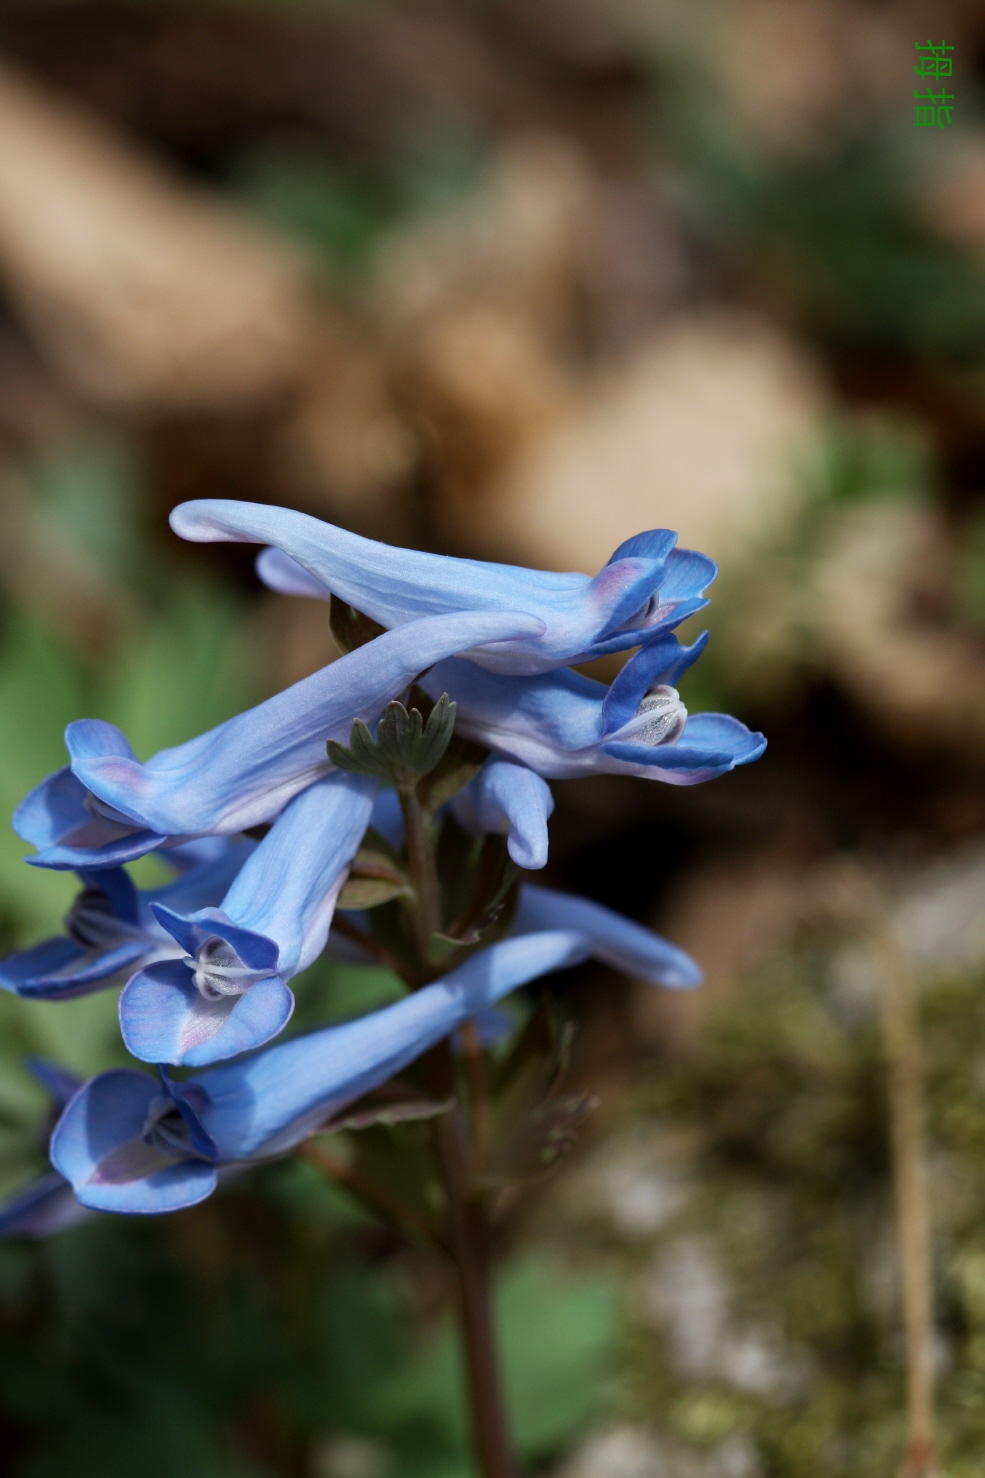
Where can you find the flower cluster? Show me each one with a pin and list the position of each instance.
(331, 796)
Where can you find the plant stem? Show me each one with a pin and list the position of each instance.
(479, 1084)
(468, 1229)
(901, 1035)
(426, 908)
(469, 1236)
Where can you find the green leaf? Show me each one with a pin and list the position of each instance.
(405, 749)
(360, 893)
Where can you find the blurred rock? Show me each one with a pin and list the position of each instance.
(881, 635)
(689, 1296)
(345, 452)
(797, 72)
(940, 916)
(519, 241)
(638, 1182)
(350, 1457)
(142, 291)
(696, 432)
(954, 194)
(483, 387)
(623, 1452)
(793, 73)
(633, 1452)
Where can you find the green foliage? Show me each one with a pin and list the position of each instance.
(231, 1342)
(406, 747)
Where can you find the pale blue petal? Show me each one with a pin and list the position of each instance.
(395, 585)
(615, 940)
(104, 1117)
(275, 916)
(510, 800)
(285, 890)
(165, 1018)
(60, 969)
(270, 1102)
(245, 771)
(554, 725)
(54, 818)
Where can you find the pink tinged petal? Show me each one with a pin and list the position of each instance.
(165, 1018)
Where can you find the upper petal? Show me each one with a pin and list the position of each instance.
(246, 770)
(395, 585)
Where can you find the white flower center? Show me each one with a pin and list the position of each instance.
(663, 717)
(219, 971)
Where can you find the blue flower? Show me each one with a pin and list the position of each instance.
(130, 1143)
(227, 992)
(562, 724)
(107, 807)
(647, 586)
(111, 929)
(510, 800)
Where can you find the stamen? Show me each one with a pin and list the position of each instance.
(220, 972)
(166, 1131)
(665, 716)
(648, 615)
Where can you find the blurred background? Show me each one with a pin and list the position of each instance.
(515, 280)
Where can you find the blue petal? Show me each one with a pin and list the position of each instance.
(553, 724)
(245, 771)
(42, 1209)
(508, 798)
(394, 586)
(207, 882)
(116, 884)
(615, 940)
(165, 1018)
(652, 544)
(285, 890)
(53, 817)
(60, 969)
(106, 1117)
(660, 662)
(268, 1103)
(711, 745)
